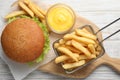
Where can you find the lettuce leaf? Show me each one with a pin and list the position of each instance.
(46, 35)
(47, 40)
(11, 19)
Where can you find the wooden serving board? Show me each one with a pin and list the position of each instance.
(53, 68)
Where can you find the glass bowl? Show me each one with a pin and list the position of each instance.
(60, 17)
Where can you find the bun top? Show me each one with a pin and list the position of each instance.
(22, 40)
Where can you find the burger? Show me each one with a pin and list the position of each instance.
(25, 39)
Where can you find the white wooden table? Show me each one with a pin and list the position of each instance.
(101, 12)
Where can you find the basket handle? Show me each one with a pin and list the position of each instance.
(110, 35)
(106, 27)
(112, 62)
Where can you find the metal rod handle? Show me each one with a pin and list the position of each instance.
(107, 25)
(110, 35)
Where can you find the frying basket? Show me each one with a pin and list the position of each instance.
(102, 52)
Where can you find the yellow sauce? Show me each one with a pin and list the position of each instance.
(60, 18)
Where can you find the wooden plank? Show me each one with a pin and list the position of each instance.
(100, 12)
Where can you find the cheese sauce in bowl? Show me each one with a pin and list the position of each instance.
(60, 18)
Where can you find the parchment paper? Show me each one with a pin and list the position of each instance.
(18, 70)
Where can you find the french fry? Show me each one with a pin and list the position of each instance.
(73, 65)
(24, 7)
(35, 6)
(26, 1)
(67, 52)
(83, 40)
(73, 32)
(81, 48)
(83, 44)
(61, 59)
(86, 31)
(56, 45)
(91, 48)
(82, 57)
(95, 45)
(76, 55)
(61, 41)
(39, 9)
(64, 58)
(15, 13)
(63, 45)
(73, 49)
(98, 48)
(72, 36)
(92, 56)
(67, 37)
(68, 43)
(32, 7)
(97, 53)
(83, 34)
(80, 39)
